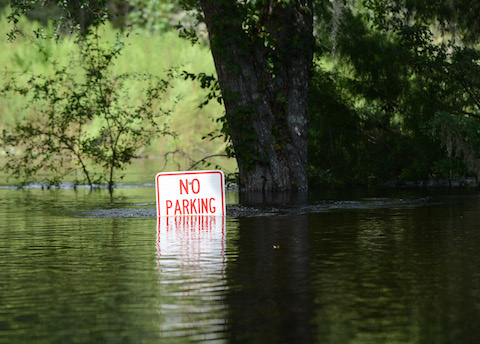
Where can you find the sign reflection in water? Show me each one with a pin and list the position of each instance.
(191, 262)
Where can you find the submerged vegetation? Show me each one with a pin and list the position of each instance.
(84, 117)
(61, 89)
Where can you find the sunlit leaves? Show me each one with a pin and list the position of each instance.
(85, 120)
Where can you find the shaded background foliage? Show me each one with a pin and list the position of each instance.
(393, 95)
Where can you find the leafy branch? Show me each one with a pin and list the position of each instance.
(83, 121)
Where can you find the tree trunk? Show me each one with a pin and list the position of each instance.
(263, 55)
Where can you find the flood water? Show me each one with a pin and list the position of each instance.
(390, 266)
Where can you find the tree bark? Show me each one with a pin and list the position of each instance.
(263, 54)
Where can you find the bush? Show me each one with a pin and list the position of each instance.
(59, 138)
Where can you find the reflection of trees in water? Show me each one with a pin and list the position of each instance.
(270, 297)
(396, 275)
(71, 279)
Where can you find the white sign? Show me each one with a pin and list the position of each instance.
(190, 193)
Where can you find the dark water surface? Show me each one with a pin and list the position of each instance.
(383, 267)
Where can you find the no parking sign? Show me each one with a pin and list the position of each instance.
(190, 193)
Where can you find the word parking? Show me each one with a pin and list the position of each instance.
(190, 193)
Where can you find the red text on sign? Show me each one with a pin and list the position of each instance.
(193, 206)
(195, 184)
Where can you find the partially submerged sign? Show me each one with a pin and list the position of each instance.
(190, 193)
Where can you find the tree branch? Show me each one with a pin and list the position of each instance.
(205, 158)
(458, 111)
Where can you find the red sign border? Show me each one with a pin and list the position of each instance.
(222, 183)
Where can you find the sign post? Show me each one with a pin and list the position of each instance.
(190, 193)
